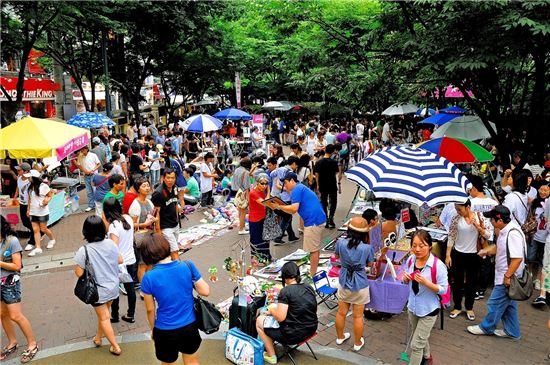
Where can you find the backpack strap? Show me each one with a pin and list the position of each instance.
(433, 270)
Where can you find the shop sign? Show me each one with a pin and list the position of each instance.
(34, 89)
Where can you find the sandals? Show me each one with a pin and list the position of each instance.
(116, 353)
(97, 343)
(128, 319)
(28, 355)
(7, 351)
(471, 315)
(455, 313)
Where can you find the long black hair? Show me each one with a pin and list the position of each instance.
(6, 228)
(356, 238)
(35, 185)
(538, 200)
(113, 212)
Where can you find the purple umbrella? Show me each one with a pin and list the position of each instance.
(342, 137)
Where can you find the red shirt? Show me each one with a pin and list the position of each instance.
(426, 134)
(256, 212)
(129, 198)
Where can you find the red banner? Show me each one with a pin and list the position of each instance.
(34, 89)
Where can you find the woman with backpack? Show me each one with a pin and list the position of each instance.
(427, 277)
(10, 268)
(120, 230)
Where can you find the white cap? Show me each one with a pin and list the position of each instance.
(32, 173)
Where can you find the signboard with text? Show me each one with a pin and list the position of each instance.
(34, 89)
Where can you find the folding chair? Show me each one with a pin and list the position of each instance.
(289, 348)
(325, 292)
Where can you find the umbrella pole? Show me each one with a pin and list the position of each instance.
(352, 204)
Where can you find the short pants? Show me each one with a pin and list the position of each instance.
(11, 294)
(41, 218)
(169, 343)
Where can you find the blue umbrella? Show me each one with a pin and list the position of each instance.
(412, 175)
(453, 110)
(439, 119)
(201, 123)
(91, 120)
(423, 112)
(233, 114)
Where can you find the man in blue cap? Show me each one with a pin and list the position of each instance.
(307, 205)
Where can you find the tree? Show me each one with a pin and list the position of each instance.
(23, 25)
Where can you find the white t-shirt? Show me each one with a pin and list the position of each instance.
(532, 194)
(360, 128)
(386, 132)
(517, 203)
(90, 161)
(206, 182)
(125, 239)
(311, 142)
(36, 207)
(117, 170)
(135, 209)
(467, 237)
(23, 185)
(516, 245)
(155, 165)
(299, 132)
(542, 228)
(447, 215)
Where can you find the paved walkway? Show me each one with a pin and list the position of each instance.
(59, 318)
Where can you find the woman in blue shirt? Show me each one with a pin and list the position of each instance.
(170, 284)
(424, 294)
(354, 255)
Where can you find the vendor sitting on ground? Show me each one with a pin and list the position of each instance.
(296, 312)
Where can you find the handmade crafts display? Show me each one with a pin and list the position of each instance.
(213, 271)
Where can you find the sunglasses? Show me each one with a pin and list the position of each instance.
(262, 183)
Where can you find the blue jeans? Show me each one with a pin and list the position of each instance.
(89, 190)
(501, 307)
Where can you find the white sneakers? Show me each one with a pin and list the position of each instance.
(243, 232)
(358, 348)
(28, 247)
(50, 244)
(340, 341)
(88, 209)
(36, 251)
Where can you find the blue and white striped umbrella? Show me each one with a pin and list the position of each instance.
(412, 175)
(201, 123)
(91, 120)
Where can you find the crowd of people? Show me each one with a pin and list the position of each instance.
(139, 182)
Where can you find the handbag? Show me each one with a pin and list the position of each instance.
(482, 242)
(530, 226)
(520, 288)
(208, 317)
(241, 198)
(123, 275)
(272, 229)
(242, 349)
(86, 286)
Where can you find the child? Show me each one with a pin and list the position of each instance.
(226, 181)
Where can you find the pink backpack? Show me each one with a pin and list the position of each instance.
(444, 299)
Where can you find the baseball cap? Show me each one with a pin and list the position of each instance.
(24, 166)
(498, 212)
(96, 140)
(32, 173)
(160, 147)
(290, 176)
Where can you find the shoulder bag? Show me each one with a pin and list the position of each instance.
(520, 288)
(208, 317)
(241, 198)
(86, 286)
(272, 229)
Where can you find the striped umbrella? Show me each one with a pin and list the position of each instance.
(91, 120)
(412, 175)
(457, 150)
(201, 123)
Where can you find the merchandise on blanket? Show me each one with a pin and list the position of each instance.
(334, 266)
(213, 271)
(188, 209)
(232, 267)
(242, 349)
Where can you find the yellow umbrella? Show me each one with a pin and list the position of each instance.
(39, 138)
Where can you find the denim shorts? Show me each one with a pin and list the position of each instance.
(40, 219)
(11, 294)
(535, 252)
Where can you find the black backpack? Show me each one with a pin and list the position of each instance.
(244, 318)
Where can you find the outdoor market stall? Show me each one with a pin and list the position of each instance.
(32, 138)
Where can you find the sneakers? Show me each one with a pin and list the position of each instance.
(270, 359)
(50, 244)
(243, 232)
(292, 239)
(502, 334)
(476, 330)
(122, 289)
(278, 242)
(358, 348)
(29, 247)
(479, 295)
(331, 223)
(427, 361)
(340, 341)
(88, 209)
(36, 251)
(539, 302)
(536, 284)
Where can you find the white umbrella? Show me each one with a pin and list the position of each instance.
(273, 105)
(205, 102)
(413, 175)
(469, 127)
(286, 106)
(400, 109)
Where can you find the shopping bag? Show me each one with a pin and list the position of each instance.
(242, 349)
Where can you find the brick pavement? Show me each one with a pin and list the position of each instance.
(59, 318)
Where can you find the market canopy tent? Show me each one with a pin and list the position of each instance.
(40, 138)
(412, 175)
